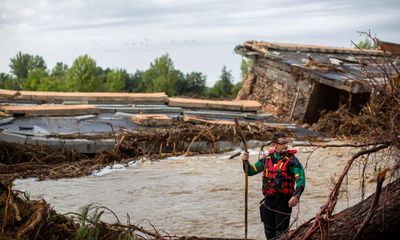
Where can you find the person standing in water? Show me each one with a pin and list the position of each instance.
(282, 184)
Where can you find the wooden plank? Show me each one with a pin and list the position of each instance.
(216, 114)
(311, 48)
(199, 103)
(152, 119)
(250, 105)
(393, 48)
(4, 93)
(88, 96)
(195, 119)
(240, 105)
(50, 110)
(4, 115)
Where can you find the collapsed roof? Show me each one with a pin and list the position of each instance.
(341, 68)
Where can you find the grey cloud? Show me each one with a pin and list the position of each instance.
(211, 24)
(66, 15)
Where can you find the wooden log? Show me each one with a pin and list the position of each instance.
(49, 110)
(58, 97)
(194, 119)
(250, 105)
(4, 93)
(152, 119)
(240, 105)
(205, 104)
(4, 115)
(384, 224)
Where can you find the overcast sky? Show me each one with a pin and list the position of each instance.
(199, 35)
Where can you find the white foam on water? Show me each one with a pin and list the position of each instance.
(134, 163)
(119, 167)
(181, 157)
(25, 180)
(108, 169)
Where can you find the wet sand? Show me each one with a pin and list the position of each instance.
(200, 195)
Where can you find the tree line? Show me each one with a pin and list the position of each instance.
(30, 72)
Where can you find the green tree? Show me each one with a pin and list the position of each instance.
(236, 88)
(58, 78)
(162, 76)
(223, 87)
(22, 63)
(366, 44)
(135, 82)
(8, 82)
(102, 78)
(3, 79)
(35, 79)
(59, 70)
(245, 66)
(82, 75)
(51, 83)
(116, 79)
(193, 84)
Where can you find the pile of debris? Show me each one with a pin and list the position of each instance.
(20, 161)
(22, 218)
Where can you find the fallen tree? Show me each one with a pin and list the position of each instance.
(383, 221)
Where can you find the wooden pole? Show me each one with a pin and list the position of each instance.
(246, 179)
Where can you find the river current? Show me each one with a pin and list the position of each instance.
(198, 195)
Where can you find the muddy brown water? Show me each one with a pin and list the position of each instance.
(200, 195)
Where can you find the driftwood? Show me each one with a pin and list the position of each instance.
(18, 161)
(321, 223)
(384, 223)
(35, 218)
(379, 183)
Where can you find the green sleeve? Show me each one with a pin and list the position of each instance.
(299, 174)
(256, 167)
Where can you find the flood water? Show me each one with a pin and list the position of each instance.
(200, 195)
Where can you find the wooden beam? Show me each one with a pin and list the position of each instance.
(49, 110)
(240, 105)
(58, 97)
(152, 119)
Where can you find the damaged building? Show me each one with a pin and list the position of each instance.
(298, 82)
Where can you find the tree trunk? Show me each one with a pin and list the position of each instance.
(384, 224)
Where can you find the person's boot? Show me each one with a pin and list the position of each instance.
(269, 232)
